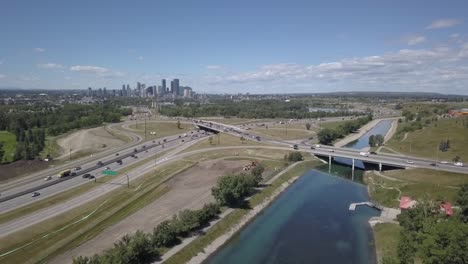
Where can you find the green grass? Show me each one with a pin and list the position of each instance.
(386, 240)
(425, 142)
(120, 204)
(280, 133)
(224, 225)
(162, 129)
(225, 140)
(9, 145)
(429, 176)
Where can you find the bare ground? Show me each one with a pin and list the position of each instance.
(87, 141)
(188, 190)
(21, 167)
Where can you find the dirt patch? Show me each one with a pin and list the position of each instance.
(87, 141)
(189, 190)
(21, 167)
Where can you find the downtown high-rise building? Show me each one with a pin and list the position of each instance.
(163, 84)
(175, 87)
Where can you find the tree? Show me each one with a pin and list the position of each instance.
(257, 171)
(164, 235)
(326, 136)
(456, 159)
(231, 189)
(405, 248)
(307, 125)
(462, 202)
(371, 140)
(207, 213)
(186, 221)
(2, 152)
(295, 156)
(178, 124)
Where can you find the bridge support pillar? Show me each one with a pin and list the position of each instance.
(329, 164)
(352, 171)
(380, 166)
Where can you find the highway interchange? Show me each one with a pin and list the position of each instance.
(173, 146)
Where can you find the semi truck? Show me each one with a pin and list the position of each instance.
(64, 173)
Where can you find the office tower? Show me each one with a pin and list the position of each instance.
(105, 91)
(90, 91)
(163, 83)
(129, 91)
(187, 92)
(176, 87)
(172, 87)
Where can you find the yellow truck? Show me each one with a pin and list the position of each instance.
(64, 173)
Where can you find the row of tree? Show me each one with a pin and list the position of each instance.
(31, 124)
(250, 109)
(327, 135)
(144, 248)
(430, 236)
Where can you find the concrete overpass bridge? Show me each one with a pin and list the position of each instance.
(328, 153)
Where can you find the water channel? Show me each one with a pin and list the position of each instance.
(310, 222)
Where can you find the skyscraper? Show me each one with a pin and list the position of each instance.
(163, 83)
(175, 91)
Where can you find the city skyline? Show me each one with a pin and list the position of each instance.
(262, 47)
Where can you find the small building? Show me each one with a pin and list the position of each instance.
(446, 207)
(407, 203)
(458, 112)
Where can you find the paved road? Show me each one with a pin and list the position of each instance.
(25, 199)
(39, 176)
(386, 159)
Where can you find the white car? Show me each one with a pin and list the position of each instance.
(443, 162)
(317, 146)
(330, 150)
(47, 178)
(459, 164)
(410, 162)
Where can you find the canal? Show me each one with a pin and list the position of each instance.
(310, 222)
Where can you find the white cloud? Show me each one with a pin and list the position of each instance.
(213, 67)
(49, 66)
(443, 23)
(99, 71)
(89, 69)
(140, 58)
(39, 49)
(416, 39)
(2, 76)
(455, 35)
(439, 69)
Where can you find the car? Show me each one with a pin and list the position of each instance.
(317, 146)
(330, 150)
(409, 161)
(99, 163)
(73, 174)
(433, 164)
(86, 175)
(78, 168)
(444, 162)
(47, 178)
(34, 194)
(92, 177)
(296, 147)
(108, 168)
(373, 153)
(459, 164)
(116, 154)
(119, 162)
(312, 147)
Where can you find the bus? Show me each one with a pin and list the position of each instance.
(64, 173)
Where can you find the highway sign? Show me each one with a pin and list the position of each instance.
(109, 172)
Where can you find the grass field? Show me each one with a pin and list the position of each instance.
(280, 132)
(9, 146)
(416, 183)
(225, 140)
(228, 121)
(425, 142)
(224, 225)
(386, 240)
(162, 129)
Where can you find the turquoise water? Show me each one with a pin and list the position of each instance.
(310, 222)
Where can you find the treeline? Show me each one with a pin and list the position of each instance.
(326, 136)
(251, 109)
(432, 237)
(231, 190)
(31, 124)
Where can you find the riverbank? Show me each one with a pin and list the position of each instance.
(363, 130)
(234, 220)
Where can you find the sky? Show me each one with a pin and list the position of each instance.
(237, 46)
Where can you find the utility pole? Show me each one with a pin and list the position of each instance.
(145, 128)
